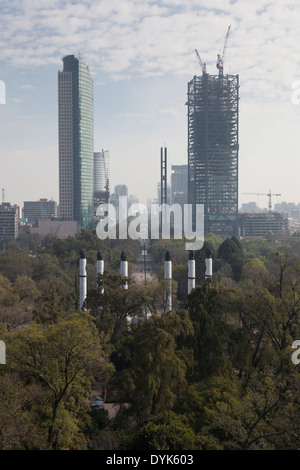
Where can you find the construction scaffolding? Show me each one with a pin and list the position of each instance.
(213, 109)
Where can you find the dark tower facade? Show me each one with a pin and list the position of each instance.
(213, 111)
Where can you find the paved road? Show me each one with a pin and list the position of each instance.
(144, 261)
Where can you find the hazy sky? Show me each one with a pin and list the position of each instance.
(141, 54)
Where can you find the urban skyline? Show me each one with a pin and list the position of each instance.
(150, 291)
(141, 88)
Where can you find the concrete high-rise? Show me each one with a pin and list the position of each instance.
(213, 150)
(76, 141)
(9, 218)
(42, 209)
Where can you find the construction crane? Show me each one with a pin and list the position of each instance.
(269, 194)
(202, 65)
(220, 59)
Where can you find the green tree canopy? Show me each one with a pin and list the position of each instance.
(62, 357)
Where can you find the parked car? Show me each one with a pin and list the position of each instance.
(96, 402)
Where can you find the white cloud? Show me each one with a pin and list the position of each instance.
(150, 39)
(27, 86)
(172, 110)
(155, 38)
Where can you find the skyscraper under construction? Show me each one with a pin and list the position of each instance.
(213, 110)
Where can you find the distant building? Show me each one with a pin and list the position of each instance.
(286, 208)
(101, 170)
(258, 225)
(9, 218)
(250, 207)
(100, 197)
(42, 209)
(121, 190)
(101, 181)
(295, 215)
(76, 141)
(132, 199)
(179, 184)
(59, 228)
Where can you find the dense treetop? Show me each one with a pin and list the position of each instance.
(215, 373)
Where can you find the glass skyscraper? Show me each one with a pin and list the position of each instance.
(101, 170)
(76, 141)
